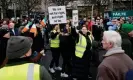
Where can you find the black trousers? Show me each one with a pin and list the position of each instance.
(56, 56)
(66, 66)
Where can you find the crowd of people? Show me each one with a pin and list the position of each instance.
(23, 43)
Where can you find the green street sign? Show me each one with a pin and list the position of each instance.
(121, 13)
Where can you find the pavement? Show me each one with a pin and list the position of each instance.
(47, 59)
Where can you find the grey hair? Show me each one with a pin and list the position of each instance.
(113, 37)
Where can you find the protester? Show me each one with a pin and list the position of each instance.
(82, 22)
(97, 32)
(4, 24)
(89, 24)
(113, 25)
(65, 39)
(18, 24)
(20, 47)
(54, 44)
(116, 63)
(126, 33)
(13, 30)
(38, 41)
(81, 61)
(105, 23)
(4, 36)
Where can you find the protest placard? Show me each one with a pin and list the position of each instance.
(57, 14)
(75, 21)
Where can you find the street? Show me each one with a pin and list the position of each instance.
(46, 61)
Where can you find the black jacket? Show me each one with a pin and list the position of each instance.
(38, 41)
(97, 32)
(3, 45)
(67, 42)
(126, 44)
(53, 35)
(15, 33)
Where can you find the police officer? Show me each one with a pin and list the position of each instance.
(81, 60)
(20, 47)
(54, 44)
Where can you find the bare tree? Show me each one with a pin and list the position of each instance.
(99, 4)
(87, 4)
(61, 2)
(29, 5)
(4, 6)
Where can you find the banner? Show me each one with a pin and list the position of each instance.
(57, 14)
(118, 14)
(75, 21)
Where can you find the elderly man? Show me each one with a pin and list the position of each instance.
(13, 31)
(116, 63)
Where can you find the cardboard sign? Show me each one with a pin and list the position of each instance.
(57, 14)
(75, 18)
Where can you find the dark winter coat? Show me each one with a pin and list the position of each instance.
(3, 45)
(126, 44)
(15, 33)
(38, 41)
(80, 66)
(97, 32)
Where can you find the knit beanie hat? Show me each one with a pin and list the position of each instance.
(18, 46)
(3, 31)
(127, 27)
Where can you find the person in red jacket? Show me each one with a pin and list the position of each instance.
(89, 24)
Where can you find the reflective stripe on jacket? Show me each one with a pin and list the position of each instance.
(27, 71)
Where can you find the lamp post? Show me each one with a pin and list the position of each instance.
(14, 7)
(92, 10)
(131, 4)
(1, 13)
(111, 5)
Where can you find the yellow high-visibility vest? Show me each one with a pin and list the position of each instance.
(28, 71)
(54, 43)
(81, 45)
(91, 35)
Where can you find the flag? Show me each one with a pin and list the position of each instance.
(34, 30)
(43, 22)
(26, 28)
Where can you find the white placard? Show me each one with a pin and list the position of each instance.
(57, 14)
(75, 21)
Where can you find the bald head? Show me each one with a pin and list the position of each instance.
(12, 25)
